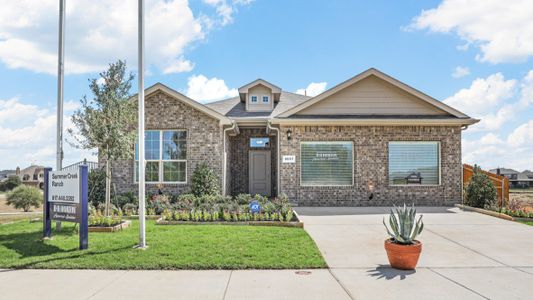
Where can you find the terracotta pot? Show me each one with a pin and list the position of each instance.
(403, 257)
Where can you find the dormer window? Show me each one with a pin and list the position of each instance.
(253, 99)
(266, 99)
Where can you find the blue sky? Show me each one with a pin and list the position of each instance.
(478, 60)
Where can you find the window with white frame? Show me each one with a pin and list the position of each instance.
(253, 99)
(414, 163)
(266, 99)
(326, 163)
(166, 156)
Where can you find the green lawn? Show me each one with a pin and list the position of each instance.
(528, 223)
(170, 247)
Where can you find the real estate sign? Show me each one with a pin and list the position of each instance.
(64, 196)
(65, 199)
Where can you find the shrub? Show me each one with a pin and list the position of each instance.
(10, 183)
(204, 181)
(480, 191)
(98, 219)
(130, 209)
(96, 184)
(24, 197)
(243, 199)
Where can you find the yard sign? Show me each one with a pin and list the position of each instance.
(65, 199)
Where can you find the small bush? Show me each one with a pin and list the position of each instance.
(243, 198)
(10, 183)
(130, 209)
(480, 191)
(24, 197)
(204, 181)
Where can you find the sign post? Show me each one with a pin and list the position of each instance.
(65, 199)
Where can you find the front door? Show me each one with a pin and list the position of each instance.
(259, 172)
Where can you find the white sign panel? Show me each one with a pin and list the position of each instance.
(64, 186)
(289, 159)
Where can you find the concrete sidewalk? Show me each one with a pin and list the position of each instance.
(97, 284)
(465, 255)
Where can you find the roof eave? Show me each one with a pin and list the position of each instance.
(377, 122)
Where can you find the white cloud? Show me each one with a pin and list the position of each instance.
(502, 30)
(504, 137)
(226, 9)
(459, 72)
(490, 151)
(313, 89)
(203, 89)
(28, 135)
(99, 32)
(483, 95)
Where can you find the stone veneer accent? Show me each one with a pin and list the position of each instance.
(204, 142)
(371, 165)
(239, 156)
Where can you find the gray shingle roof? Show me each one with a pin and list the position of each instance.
(233, 108)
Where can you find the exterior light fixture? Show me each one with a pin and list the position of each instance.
(289, 134)
(371, 189)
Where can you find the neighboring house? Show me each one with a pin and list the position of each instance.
(516, 179)
(370, 140)
(32, 176)
(4, 174)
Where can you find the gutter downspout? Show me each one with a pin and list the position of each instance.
(278, 185)
(224, 167)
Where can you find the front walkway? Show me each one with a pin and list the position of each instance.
(465, 255)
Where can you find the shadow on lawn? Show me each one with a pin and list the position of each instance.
(31, 245)
(385, 271)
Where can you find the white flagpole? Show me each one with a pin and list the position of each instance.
(60, 80)
(142, 229)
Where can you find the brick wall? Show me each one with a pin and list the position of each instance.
(371, 164)
(240, 146)
(204, 141)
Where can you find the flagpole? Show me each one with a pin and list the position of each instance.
(60, 82)
(141, 166)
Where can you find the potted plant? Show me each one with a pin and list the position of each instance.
(402, 247)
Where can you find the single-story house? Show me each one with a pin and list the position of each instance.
(516, 179)
(370, 140)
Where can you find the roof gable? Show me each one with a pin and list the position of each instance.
(357, 95)
(179, 96)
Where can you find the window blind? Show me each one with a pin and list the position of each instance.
(414, 163)
(326, 163)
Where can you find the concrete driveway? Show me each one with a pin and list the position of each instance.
(465, 255)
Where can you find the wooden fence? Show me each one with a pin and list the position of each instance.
(501, 183)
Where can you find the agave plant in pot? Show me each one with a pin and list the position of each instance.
(403, 250)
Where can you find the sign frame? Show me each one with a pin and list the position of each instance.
(81, 208)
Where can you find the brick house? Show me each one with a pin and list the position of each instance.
(371, 140)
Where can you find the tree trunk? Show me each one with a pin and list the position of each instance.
(107, 187)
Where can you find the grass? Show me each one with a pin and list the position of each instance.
(170, 247)
(527, 223)
(18, 217)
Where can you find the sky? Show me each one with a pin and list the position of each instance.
(472, 54)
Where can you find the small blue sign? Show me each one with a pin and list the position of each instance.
(255, 207)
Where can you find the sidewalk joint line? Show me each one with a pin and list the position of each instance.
(475, 251)
(342, 285)
(108, 284)
(227, 285)
(459, 284)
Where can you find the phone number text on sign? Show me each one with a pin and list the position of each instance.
(64, 186)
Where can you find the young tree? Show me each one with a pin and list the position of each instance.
(25, 197)
(480, 191)
(107, 122)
